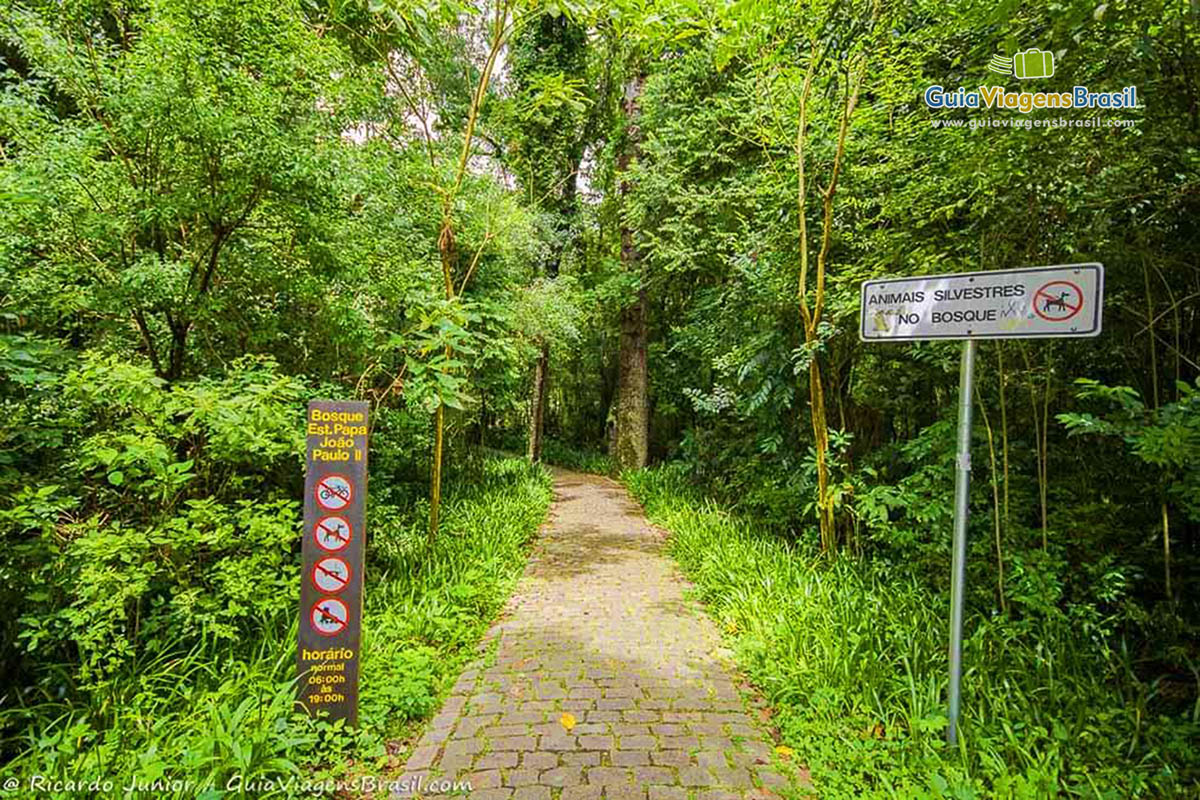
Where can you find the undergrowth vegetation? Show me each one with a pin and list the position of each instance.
(572, 457)
(852, 654)
(641, 227)
(157, 621)
(559, 453)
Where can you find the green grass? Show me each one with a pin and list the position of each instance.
(853, 657)
(203, 715)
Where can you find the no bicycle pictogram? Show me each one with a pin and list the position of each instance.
(1057, 301)
(334, 492)
(330, 575)
(332, 533)
(329, 616)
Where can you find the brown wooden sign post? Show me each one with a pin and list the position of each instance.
(331, 584)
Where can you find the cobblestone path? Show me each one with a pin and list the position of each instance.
(598, 628)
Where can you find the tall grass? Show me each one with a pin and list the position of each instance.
(185, 722)
(853, 656)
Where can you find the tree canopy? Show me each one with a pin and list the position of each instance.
(626, 236)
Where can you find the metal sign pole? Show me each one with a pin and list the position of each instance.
(958, 574)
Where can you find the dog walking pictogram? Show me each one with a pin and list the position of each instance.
(334, 492)
(332, 533)
(330, 575)
(1057, 301)
(329, 616)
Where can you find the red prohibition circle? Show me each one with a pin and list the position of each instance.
(321, 526)
(1042, 293)
(349, 492)
(312, 612)
(317, 567)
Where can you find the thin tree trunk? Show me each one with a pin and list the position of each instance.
(1166, 528)
(537, 405)
(1045, 448)
(177, 352)
(1150, 336)
(447, 246)
(820, 428)
(449, 256)
(483, 420)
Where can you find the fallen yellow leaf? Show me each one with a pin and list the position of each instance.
(567, 720)
(784, 751)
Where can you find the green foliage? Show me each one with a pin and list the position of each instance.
(213, 211)
(154, 202)
(1166, 438)
(852, 654)
(144, 536)
(185, 701)
(564, 455)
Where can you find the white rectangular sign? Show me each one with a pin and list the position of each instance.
(1027, 303)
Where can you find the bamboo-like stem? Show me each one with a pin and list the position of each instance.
(1166, 529)
(1155, 397)
(435, 489)
(995, 500)
(802, 189)
(811, 317)
(1045, 448)
(447, 249)
(1150, 328)
(1039, 441)
(1003, 427)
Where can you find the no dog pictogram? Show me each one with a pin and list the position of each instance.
(1057, 301)
(332, 533)
(334, 492)
(330, 575)
(329, 616)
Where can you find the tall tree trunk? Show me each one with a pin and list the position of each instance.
(632, 442)
(537, 405)
(632, 438)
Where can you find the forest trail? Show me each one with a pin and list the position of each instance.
(599, 628)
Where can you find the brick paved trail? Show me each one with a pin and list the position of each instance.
(599, 627)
